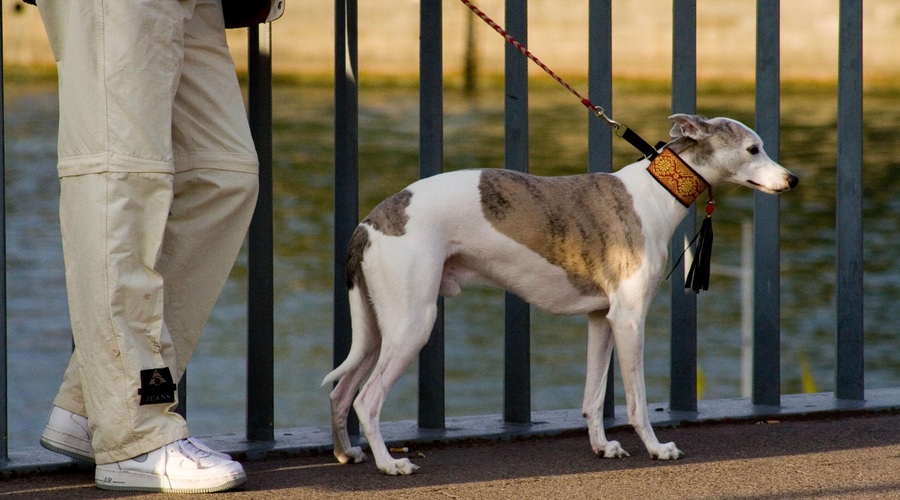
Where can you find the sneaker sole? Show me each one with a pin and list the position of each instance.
(69, 452)
(110, 484)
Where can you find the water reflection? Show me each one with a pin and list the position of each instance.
(38, 321)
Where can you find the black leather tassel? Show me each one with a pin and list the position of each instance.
(698, 275)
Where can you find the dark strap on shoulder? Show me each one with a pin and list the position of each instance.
(643, 146)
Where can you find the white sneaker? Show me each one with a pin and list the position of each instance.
(68, 433)
(185, 466)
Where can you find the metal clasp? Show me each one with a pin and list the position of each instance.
(600, 113)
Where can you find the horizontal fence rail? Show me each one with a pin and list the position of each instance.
(766, 380)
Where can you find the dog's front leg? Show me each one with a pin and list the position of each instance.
(599, 352)
(628, 331)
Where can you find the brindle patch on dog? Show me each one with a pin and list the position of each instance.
(584, 224)
(358, 243)
(390, 217)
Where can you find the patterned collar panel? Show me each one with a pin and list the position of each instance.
(677, 177)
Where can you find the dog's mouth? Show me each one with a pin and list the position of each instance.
(762, 187)
(792, 182)
(766, 189)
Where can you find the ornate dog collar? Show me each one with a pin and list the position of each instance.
(686, 185)
(677, 177)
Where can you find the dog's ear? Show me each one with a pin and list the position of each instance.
(694, 127)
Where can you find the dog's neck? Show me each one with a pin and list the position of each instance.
(660, 211)
(677, 177)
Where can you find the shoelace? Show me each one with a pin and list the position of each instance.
(197, 451)
(190, 450)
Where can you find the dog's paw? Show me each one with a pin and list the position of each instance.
(666, 451)
(399, 467)
(354, 455)
(612, 449)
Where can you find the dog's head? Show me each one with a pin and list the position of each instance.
(725, 150)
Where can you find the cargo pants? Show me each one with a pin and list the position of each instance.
(158, 182)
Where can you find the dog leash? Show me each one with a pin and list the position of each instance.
(621, 130)
(698, 274)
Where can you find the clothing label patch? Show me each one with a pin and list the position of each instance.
(156, 386)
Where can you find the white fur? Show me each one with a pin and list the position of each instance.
(448, 242)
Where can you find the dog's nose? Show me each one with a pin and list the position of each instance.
(793, 181)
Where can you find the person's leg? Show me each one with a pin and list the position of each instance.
(210, 215)
(216, 182)
(215, 187)
(119, 65)
(213, 192)
(112, 226)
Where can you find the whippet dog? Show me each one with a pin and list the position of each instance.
(592, 244)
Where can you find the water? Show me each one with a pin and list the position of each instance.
(39, 338)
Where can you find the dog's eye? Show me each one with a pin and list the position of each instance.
(754, 150)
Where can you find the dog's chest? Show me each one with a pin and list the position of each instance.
(584, 224)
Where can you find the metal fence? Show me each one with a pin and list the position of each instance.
(766, 385)
(517, 388)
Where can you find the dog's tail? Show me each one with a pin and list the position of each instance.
(363, 317)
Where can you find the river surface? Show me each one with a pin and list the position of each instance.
(39, 335)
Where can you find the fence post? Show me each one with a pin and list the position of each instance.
(4, 352)
(517, 318)
(683, 377)
(346, 171)
(767, 247)
(850, 370)
(431, 162)
(260, 314)
(600, 149)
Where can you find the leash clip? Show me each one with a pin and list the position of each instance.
(599, 112)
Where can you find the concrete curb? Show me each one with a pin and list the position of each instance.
(306, 441)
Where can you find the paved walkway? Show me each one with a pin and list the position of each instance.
(842, 457)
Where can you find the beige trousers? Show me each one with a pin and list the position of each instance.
(158, 178)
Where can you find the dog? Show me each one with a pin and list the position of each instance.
(593, 244)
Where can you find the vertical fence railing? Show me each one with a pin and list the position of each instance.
(431, 162)
(683, 368)
(767, 267)
(346, 170)
(517, 313)
(600, 136)
(850, 370)
(260, 300)
(4, 405)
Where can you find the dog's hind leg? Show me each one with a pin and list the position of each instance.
(403, 338)
(628, 331)
(341, 402)
(367, 340)
(599, 350)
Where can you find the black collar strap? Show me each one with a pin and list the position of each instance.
(640, 144)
